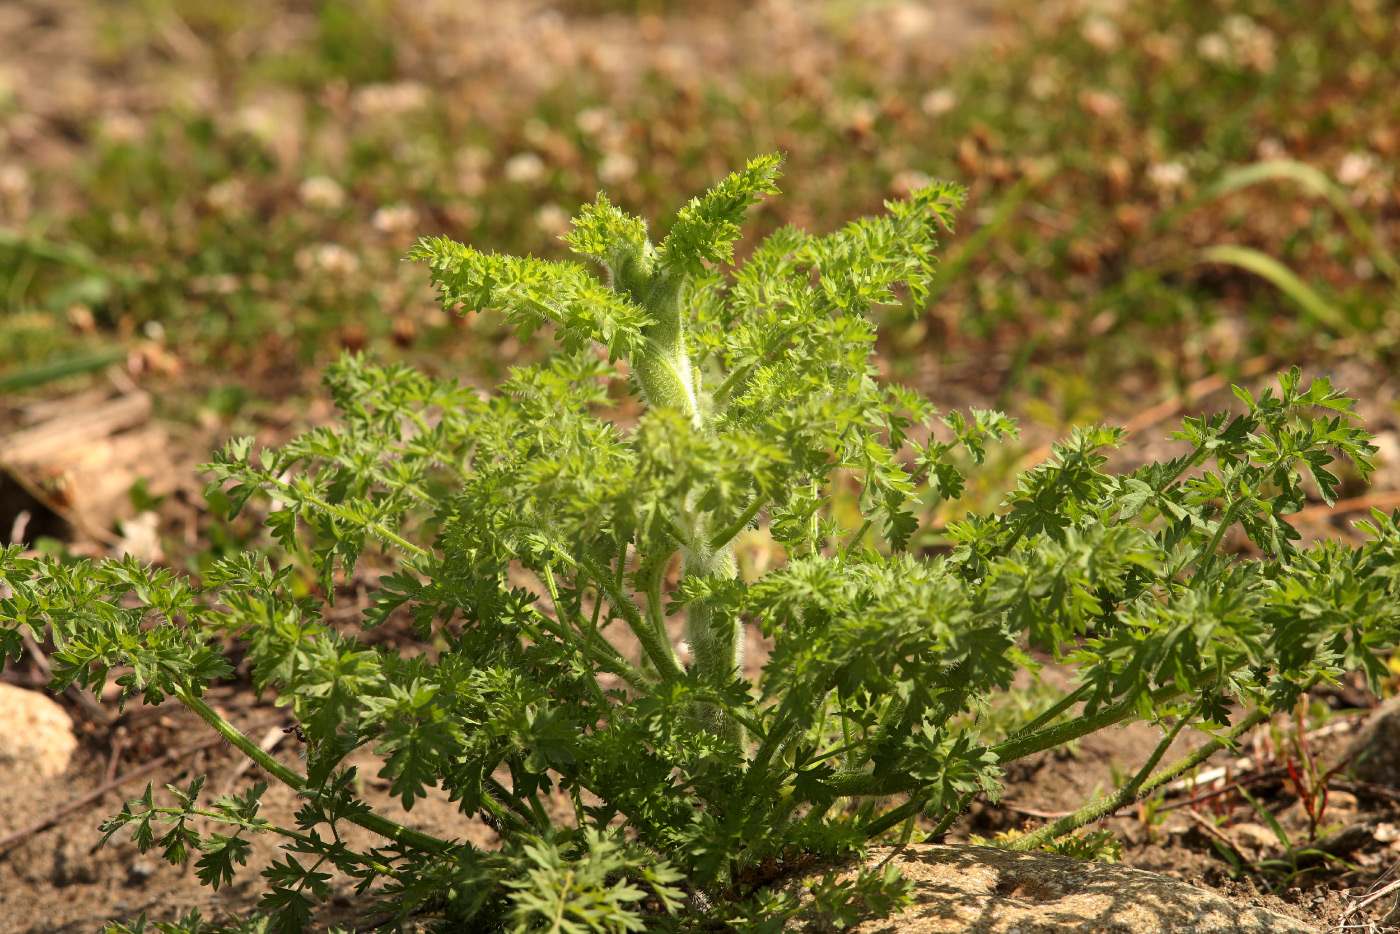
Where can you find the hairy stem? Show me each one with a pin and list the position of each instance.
(727, 534)
(599, 651)
(404, 836)
(667, 380)
(889, 819)
(658, 650)
(1059, 707)
(1139, 787)
(1027, 744)
(859, 782)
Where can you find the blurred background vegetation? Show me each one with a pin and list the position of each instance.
(218, 195)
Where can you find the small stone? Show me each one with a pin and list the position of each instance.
(73, 865)
(1255, 837)
(140, 870)
(36, 734)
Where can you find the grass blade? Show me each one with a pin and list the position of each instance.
(50, 370)
(1283, 278)
(1307, 177)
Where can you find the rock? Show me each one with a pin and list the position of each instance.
(1256, 840)
(73, 864)
(984, 890)
(36, 734)
(140, 871)
(1375, 751)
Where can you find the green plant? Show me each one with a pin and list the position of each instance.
(1294, 861)
(635, 792)
(1308, 777)
(1151, 815)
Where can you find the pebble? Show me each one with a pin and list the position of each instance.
(36, 734)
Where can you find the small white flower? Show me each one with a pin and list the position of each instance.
(863, 116)
(394, 218)
(938, 102)
(122, 127)
(1239, 28)
(535, 131)
(525, 168)
(1101, 32)
(616, 168)
(1270, 147)
(1043, 85)
(140, 538)
(257, 121)
(472, 163)
(1213, 47)
(1166, 176)
(14, 180)
(227, 197)
(328, 257)
(552, 219)
(322, 193)
(389, 100)
(907, 181)
(592, 120)
(1100, 103)
(473, 159)
(1356, 167)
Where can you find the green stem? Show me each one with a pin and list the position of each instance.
(781, 731)
(1020, 746)
(858, 782)
(384, 534)
(569, 638)
(1059, 707)
(659, 651)
(734, 379)
(553, 588)
(1096, 810)
(838, 751)
(727, 534)
(953, 814)
(1227, 519)
(649, 577)
(759, 848)
(506, 796)
(601, 653)
(726, 388)
(889, 819)
(307, 842)
(404, 836)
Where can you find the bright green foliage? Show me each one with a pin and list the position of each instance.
(706, 228)
(536, 539)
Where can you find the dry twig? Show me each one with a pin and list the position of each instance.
(1373, 896)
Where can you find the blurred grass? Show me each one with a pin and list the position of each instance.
(1158, 189)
